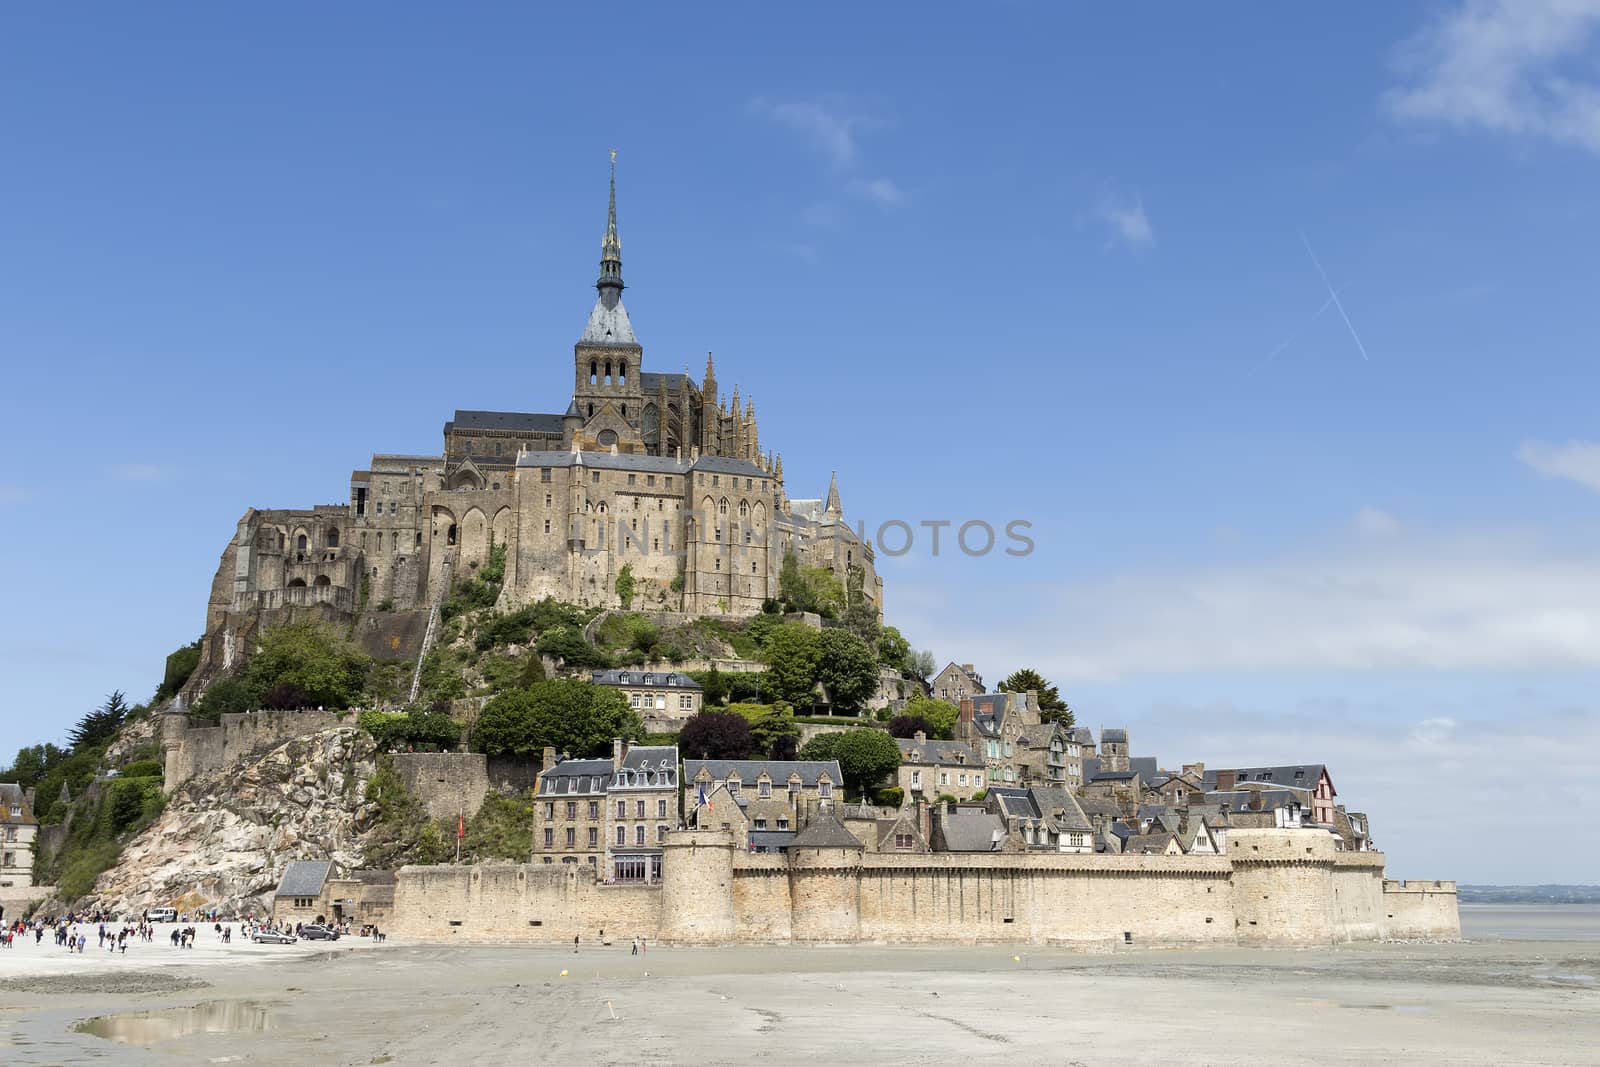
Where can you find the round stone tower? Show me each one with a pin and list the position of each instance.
(697, 886)
(1283, 885)
(825, 882)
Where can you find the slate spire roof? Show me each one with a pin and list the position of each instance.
(608, 322)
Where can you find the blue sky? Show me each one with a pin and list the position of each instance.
(1018, 262)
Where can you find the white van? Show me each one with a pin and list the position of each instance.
(163, 915)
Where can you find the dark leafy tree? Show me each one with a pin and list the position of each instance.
(909, 725)
(940, 715)
(1051, 706)
(820, 748)
(866, 757)
(847, 669)
(575, 717)
(716, 735)
(791, 652)
(99, 725)
(286, 696)
(330, 670)
(180, 665)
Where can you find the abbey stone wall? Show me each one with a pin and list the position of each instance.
(1271, 892)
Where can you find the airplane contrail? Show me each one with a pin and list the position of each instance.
(1333, 295)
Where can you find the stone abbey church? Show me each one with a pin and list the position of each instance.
(653, 471)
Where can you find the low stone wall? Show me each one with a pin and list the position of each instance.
(447, 783)
(16, 900)
(1421, 910)
(196, 748)
(524, 902)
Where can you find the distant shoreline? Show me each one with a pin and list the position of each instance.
(1529, 894)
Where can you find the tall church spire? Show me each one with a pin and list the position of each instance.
(832, 508)
(610, 281)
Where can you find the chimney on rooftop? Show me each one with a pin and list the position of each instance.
(549, 758)
(619, 749)
(1225, 780)
(967, 667)
(925, 819)
(966, 709)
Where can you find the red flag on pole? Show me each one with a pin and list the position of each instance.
(461, 826)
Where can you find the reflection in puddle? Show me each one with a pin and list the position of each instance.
(146, 1028)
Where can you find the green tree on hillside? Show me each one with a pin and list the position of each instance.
(847, 669)
(940, 715)
(866, 757)
(792, 652)
(575, 717)
(180, 665)
(329, 670)
(99, 725)
(1051, 706)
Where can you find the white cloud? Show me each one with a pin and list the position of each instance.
(1375, 522)
(1129, 225)
(1508, 66)
(138, 472)
(830, 125)
(880, 191)
(1578, 461)
(1402, 602)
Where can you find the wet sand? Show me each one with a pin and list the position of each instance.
(1494, 1002)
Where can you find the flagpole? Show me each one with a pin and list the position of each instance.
(461, 816)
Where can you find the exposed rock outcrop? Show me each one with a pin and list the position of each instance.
(223, 839)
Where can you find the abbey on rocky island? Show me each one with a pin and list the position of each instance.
(644, 470)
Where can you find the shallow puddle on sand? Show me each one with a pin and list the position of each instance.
(146, 1028)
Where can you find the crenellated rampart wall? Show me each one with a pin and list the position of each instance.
(1268, 890)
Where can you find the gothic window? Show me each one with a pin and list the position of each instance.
(624, 411)
(622, 374)
(300, 543)
(591, 410)
(608, 372)
(722, 507)
(594, 373)
(744, 510)
(652, 429)
(450, 535)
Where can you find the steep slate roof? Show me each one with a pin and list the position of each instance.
(1041, 803)
(1286, 775)
(1114, 734)
(577, 777)
(525, 421)
(650, 381)
(304, 878)
(1150, 843)
(825, 831)
(949, 753)
(749, 770)
(634, 676)
(1082, 735)
(608, 326)
(970, 831)
(14, 796)
(1092, 806)
(770, 839)
(1237, 800)
(651, 758)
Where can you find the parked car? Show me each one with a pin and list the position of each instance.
(319, 933)
(163, 915)
(272, 937)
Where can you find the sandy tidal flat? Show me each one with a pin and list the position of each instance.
(1477, 1003)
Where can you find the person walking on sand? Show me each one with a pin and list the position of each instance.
(574, 944)
(635, 951)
